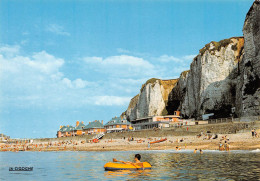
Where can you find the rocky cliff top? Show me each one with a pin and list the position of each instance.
(184, 74)
(213, 46)
(165, 83)
(257, 2)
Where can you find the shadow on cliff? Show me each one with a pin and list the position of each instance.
(223, 106)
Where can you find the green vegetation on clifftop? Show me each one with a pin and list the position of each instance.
(217, 45)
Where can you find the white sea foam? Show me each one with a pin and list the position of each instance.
(257, 150)
(191, 151)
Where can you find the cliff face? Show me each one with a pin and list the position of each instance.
(210, 85)
(248, 92)
(177, 94)
(151, 100)
(222, 76)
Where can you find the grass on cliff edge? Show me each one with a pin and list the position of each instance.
(165, 83)
(184, 73)
(217, 45)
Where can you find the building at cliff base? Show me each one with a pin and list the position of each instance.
(117, 124)
(94, 127)
(152, 122)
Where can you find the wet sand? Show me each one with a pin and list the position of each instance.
(239, 141)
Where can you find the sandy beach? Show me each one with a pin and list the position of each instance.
(239, 141)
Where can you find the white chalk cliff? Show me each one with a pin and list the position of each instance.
(210, 85)
(152, 99)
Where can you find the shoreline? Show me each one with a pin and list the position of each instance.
(238, 141)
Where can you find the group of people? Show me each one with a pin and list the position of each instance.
(224, 146)
(130, 138)
(195, 151)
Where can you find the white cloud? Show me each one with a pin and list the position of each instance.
(67, 82)
(121, 66)
(128, 61)
(9, 50)
(133, 53)
(76, 84)
(45, 62)
(41, 62)
(79, 83)
(111, 100)
(121, 50)
(183, 59)
(189, 57)
(166, 58)
(37, 80)
(57, 29)
(95, 60)
(120, 60)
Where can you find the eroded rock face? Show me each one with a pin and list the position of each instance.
(248, 99)
(210, 85)
(178, 93)
(152, 99)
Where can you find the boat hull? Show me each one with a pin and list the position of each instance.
(158, 141)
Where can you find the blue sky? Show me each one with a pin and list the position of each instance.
(62, 61)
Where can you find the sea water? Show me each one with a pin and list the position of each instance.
(166, 165)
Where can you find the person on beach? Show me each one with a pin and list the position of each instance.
(201, 152)
(220, 146)
(195, 151)
(227, 147)
(253, 132)
(149, 144)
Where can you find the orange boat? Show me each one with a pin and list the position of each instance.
(158, 141)
(110, 166)
(95, 140)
